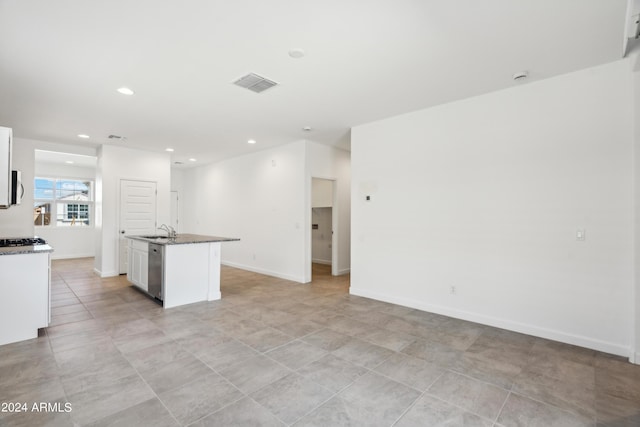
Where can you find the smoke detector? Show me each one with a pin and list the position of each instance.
(255, 83)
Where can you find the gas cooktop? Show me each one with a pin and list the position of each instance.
(22, 241)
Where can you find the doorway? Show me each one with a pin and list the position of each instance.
(137, 214)
(323, 253)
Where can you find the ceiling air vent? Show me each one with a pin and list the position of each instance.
(254, 83)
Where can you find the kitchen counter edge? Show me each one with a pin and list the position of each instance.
(184, 239)
(18, 250)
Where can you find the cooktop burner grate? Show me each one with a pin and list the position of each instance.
(22, 241)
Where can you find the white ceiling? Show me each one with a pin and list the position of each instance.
(77, 160)
(62, 61)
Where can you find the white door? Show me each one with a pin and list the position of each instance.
(137, 214)
(174, 210)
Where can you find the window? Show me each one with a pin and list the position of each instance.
(63, 202)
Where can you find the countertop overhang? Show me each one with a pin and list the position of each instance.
(32, 249)
(183, 239)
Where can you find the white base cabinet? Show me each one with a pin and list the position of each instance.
(191, 272)
(24, 295)
(138, 268)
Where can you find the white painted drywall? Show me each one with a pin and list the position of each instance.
(258, 198)
(115, 164)
(321, 193)
(177, 185)
(486, 195)
(331, 163)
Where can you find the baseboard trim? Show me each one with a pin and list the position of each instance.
(55, 256)
(263, 271)
(321, 261)
(344, 271)
(551, 334)
(106, 273)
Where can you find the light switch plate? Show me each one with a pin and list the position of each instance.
(581, 234)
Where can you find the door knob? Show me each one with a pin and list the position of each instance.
(122, 232)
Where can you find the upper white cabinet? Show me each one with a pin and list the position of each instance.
(6, 149)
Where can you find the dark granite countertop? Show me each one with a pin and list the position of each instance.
(17, 250)
(183, 239)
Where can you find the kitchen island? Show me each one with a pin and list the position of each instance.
(176, 270)
(25, 276)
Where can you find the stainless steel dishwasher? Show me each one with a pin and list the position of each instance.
(156, 271)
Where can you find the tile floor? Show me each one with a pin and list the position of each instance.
(274, 353)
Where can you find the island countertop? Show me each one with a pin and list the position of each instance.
(31, 249)
(183, 239)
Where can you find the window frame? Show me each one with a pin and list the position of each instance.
(54, 203)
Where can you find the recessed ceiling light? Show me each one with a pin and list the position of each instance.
(296, 53)
(307, 128)
(125, 91)
(83, 136)
(69, 162)
(251, 141)
(170, 150)
(192, 160)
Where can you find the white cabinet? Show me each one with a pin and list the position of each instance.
(24, 295)
(138, 268)
(189, 267)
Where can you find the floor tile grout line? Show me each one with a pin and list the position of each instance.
(154, 393)
(309, 412)
(426, 393)
(537, 400)
(497, 417)
(413, 404)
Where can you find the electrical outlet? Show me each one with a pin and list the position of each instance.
(453, 290)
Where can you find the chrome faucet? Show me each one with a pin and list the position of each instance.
(171, 232)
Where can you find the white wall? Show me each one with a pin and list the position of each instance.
(264, 198)
(115, 164)
(177, 184)
(321, 193)
(331, 163)
(258, 198)
(486, 195)
(68, 242)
